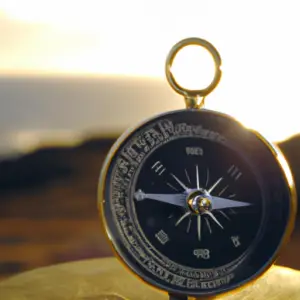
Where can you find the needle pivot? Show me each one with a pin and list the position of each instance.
(199, 203)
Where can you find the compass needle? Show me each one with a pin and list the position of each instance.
(175, 199)
(221, 203)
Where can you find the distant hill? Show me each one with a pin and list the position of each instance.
(291, 151)
(50, 164)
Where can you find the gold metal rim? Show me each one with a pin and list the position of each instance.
(170, 59)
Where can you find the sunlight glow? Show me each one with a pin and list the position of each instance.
(193, 68)
(66, 14)
(257, 41)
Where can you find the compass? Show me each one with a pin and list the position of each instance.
(193, 202)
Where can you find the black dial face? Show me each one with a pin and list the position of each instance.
(194, 203)
(188, 170)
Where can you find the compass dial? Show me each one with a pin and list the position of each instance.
(176, 180)
(194, 203)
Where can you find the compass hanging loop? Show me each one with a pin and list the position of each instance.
(193, 98)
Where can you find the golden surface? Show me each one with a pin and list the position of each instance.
(107, 279)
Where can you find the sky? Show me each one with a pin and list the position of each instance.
(257, 40)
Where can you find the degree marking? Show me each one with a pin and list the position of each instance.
(199, 227)
(197, 177)
(180, 182)
(187, 176)
(207, 177)
(215, 185)
(172, 187)
(182, 218)
(223, 214)
(213, 217)
(189, 225)
(225, 188)
(208, 225)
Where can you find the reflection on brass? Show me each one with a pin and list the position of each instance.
(106, 279)
(193, 98)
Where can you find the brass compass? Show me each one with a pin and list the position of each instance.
(194, 203)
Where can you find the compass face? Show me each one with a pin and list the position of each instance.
(185, 169)
(194, 203)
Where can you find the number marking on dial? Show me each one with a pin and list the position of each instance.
(202, 253)
(162, 237)
(194, 151)
(236, 241)
(158, 168)
(234, 172)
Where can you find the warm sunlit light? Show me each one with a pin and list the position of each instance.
(257, 40)
(193, 68)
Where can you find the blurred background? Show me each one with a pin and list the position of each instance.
(75, 74)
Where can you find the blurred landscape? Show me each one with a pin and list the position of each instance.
(75, 74)
(48, 211)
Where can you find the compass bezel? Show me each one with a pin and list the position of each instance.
(283, 173)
